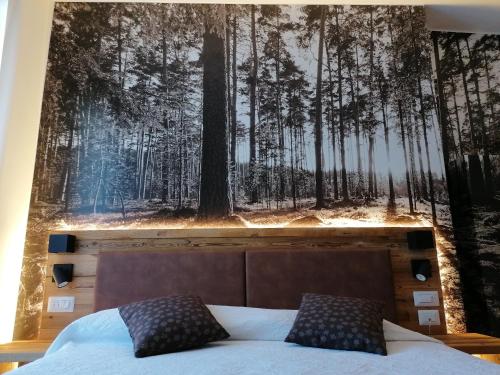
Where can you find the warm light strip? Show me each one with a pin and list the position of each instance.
(450, 321)
(10, 272)
(328, 223)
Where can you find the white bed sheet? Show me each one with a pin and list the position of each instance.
(100, 344)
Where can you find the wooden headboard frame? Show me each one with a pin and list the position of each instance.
(90, 243)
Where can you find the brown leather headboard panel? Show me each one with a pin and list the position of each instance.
(278, 278)
(218, 277)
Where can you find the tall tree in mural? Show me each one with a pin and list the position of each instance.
(253, 107)
(214, 192)
(314, 19)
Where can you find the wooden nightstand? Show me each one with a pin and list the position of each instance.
(486, 347)
(22, 351)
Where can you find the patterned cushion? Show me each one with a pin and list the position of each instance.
(339, 323)
(170, 324)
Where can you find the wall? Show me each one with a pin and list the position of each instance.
(22, 77)
(23, 68)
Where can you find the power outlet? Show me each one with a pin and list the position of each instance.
(61, 304)
(426, 298)
(428, 318)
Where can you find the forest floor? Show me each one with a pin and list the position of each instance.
(487, 228)
(150, 214)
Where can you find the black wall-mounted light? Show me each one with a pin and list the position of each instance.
(420, 240)
(62, 274)
(421, 269)
(62, 243)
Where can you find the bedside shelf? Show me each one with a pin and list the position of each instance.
(472, 343)
(23, 350)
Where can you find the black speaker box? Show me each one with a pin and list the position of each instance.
(62, 243)
(420, 240)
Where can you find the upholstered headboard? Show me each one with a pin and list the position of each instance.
(218, 277)
(278, 278)
(243, 270)
(268, 279)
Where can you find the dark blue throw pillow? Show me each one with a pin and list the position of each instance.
(170, 324)
(341, 323)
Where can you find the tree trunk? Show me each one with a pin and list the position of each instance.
(180, 160)
(146, 166)
(214, 187)
(360, 185)
(99, 184)
(491, 103)
(435, 131)
(411, 153)
(424, 127)
(233, 116)
(427, 154)
(165, 151)
(459, 129)
(370, 168)
(475, 170)
(375, 186)
(318, 126)
(392, 195)
(488, 178)
(67, 172)
(253, 88)
(372, 121)
(227, 45)
(332, 124)
(423, 179)
(292, 169)
(281, 136)
(403, 142)
(343, 171)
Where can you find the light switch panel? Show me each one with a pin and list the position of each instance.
(426, 298)
(61, 304)
(428, 318)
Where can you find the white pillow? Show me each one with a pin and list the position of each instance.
(249, 323)
(393, 332)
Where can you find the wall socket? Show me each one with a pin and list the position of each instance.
(426, 298)
(61, 304)
(428, 318)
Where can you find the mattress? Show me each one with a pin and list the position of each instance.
(100, 344)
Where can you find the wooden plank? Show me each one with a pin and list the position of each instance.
(94, 247)
(23, 351)
(6, 367)
(472, 343)
(122, 234)
(48, 334)
(61, 320)
(91, 243)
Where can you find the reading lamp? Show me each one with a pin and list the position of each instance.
(421, 269)
(62, 274)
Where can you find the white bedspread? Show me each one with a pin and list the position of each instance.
(100, 344)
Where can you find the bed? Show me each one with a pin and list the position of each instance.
(254, 295)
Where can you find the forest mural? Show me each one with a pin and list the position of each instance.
(175, 115)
